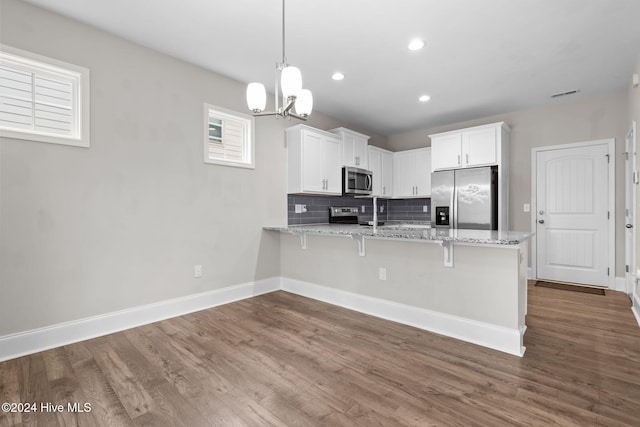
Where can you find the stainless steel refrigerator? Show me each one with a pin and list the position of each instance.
(465, 198)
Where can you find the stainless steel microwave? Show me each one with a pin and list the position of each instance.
(356, 181)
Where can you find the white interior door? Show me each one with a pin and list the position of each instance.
(572, 214)
(631, 180)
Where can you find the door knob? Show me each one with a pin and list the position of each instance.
(629, 225)
(541, 221)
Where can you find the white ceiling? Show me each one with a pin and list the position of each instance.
(481, 57)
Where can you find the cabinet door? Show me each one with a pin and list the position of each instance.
(360, 149)
(332, 159)
(348, 149)
(422, 172)
(387, 174)
(375, 166)
(446, 152)
(479, 147)
(313, 168)
(403, 185)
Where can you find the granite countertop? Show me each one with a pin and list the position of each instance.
(409, 231)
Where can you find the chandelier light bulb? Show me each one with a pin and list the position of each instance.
(291, 81)
(256, 97)
(304, 103)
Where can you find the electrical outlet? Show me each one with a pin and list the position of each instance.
(197, 271)
(382, 273)
(425, 208)
(382, 209)
(363, 208)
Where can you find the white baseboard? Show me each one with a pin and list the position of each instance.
(619, 284)
(28, 342)
(635, 308)
(484, 334)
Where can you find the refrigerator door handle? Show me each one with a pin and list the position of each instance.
(454, 203)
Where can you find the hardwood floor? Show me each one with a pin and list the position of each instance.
(284, 360)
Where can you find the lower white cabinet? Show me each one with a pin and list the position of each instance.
(314, 161)
(381, 165)
(412, 173)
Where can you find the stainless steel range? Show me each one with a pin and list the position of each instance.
(343, 215)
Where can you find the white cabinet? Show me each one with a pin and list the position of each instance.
(471, 147)
(314, 160)
(381, 165)
(412, 173)
(486, 145)
(354, 148)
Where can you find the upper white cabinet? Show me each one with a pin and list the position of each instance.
(354, 148)
(314, 160)
(412, 173)
(471, 147)
(381, 165)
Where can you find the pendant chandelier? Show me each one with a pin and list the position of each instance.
(289, 79)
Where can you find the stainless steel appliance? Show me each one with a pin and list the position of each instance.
(343, 215)
(465, 198)
(356, 181)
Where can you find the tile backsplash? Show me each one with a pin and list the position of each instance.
(317, 208)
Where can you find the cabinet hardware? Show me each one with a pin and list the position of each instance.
(467, 158)
(458, 158)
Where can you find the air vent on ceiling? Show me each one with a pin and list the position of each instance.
(571, 92)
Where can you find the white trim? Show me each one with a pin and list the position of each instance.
(35, 340)
(635, 308)
(612, 201)
(620, 284)
(484, 334)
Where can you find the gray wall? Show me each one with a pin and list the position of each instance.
(121, 224)
(415, 274)
(559, 123)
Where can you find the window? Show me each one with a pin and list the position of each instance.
(228, 138)
(43, 99)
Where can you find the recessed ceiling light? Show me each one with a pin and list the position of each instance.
(424, 98)
(337, 76)
(416, 44)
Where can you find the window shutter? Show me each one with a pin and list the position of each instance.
(16, 98)
(39, 98)
(228, 137)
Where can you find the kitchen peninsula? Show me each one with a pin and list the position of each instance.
(467, 284)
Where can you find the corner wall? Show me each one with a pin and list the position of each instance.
(85, 232)
(633, 96)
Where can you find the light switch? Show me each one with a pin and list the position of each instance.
(526, 207)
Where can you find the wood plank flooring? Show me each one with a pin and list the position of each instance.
(284, 360)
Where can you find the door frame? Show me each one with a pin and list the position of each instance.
(630, 182)
(611, 146)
